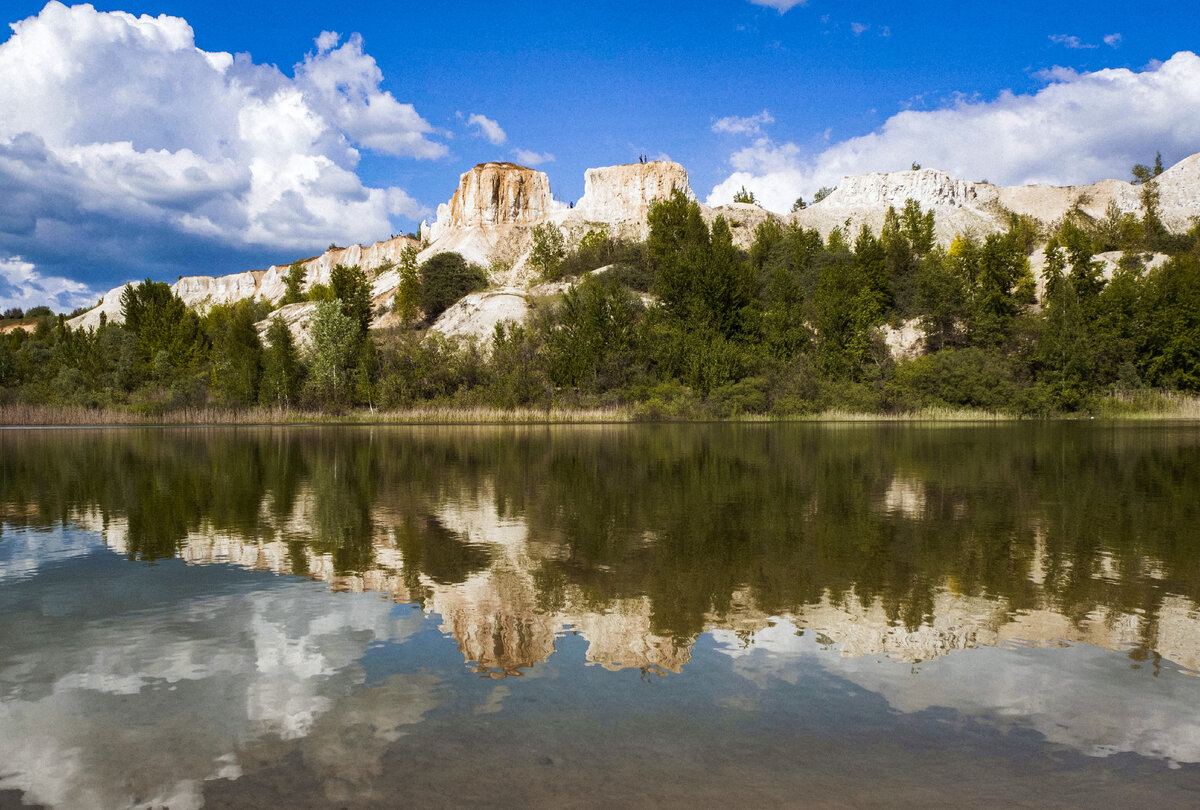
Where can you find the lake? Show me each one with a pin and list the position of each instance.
(854, 615)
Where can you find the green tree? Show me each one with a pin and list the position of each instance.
(726, 285)
(1170, 320)
(844, 312)
(282, 372)
(236, 353)
(678, 245)
(592, 343)
(784, 332)
(407, 301)
(335, 348)
(744, 196)
(871, 256)
(549, 249)
(1000, 285)
(351, 286)
(445, 278)
(517, 365)
(170, 343)
(942, 300)
(1147, 177)
(1065, 347)
(294, 280)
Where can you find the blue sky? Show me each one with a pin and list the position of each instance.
(228, 136)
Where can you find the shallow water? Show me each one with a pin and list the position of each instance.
(749, 615)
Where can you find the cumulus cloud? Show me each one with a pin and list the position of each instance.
(1113, 40)
(531, 158)
(733, 125)
(1080, 128)
(22, 286)
(780, 5)
(343, 84)
(859, 28)
(137, 152)
(487, 128)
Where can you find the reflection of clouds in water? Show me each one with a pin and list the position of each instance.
(23, 551)
(1092, 700)
(214, 671)
(346, 745)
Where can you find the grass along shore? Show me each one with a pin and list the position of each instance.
(1132, 406)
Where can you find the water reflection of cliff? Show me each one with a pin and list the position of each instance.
(906, 542)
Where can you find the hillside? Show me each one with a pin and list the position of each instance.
(489, 217)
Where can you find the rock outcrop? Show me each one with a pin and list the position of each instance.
(621, 195)
(496, 194)
(961, 205)
(490, 217)
(476, 315)
(201, 292)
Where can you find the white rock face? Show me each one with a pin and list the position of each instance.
(109, 307)
(202, 292)
(622, 194)
(297, 317)
(961, 205)
(958, 205)
(477, 314)
(905, 341)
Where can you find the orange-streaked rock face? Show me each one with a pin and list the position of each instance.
(497, 194)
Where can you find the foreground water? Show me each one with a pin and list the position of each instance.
(728, 615)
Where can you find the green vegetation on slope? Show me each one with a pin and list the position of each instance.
(791, 326)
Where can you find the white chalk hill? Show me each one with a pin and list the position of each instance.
(490, 218)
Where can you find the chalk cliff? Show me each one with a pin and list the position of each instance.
(490, 217)
(959, 205)
(201, 292)
(496, 194)
(621, 195)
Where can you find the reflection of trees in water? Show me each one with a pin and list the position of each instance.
(694, 517)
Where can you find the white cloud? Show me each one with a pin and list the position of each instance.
(859, 28)
(487, 128)
(1113, 40)
(531, 158)
(326, 40)
(734, 125)
(780, 5)
(343, 85)
(129, 133)
(21, 285)
(1080, 128)
(1070, 41)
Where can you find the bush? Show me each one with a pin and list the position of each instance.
(446, 278)
(748, 395)
(320, 292)
(597, 249)
(970, 377)
(668, 401)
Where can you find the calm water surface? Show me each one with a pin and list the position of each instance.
(806, 615)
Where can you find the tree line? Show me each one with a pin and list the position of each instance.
(684, 324)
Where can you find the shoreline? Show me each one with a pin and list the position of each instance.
(1172, 408)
